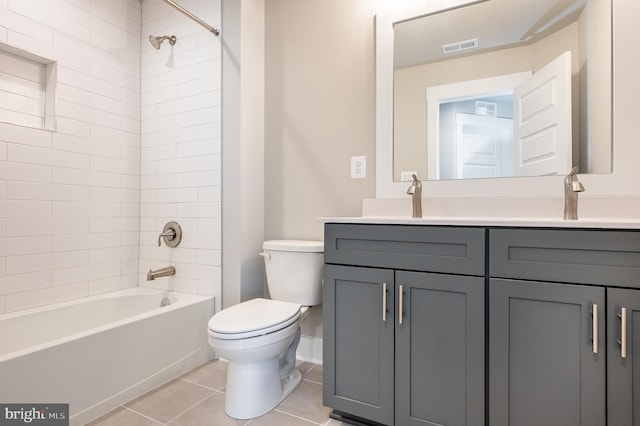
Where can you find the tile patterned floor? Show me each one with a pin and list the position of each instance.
(197, 398)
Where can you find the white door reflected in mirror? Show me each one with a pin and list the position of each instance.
(512, 125)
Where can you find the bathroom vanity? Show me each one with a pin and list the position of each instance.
(482, 324)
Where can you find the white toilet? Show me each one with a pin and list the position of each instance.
(259, 337)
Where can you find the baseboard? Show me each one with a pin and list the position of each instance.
(310, 350)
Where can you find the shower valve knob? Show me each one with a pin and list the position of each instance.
(171, 233)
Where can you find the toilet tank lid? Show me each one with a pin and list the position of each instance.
(294, 245)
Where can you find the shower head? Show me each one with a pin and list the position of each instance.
(157, 41)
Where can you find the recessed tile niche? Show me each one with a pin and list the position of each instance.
(27, 89)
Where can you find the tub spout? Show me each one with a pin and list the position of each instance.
(162, 272)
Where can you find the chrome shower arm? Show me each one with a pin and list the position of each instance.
(184, 11)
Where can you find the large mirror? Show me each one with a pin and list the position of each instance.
(470, 81)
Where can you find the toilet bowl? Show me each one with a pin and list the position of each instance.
(259, 337)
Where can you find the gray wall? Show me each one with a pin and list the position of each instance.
(319, 111)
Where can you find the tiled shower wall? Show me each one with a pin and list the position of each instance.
(74, 220)
(180, 147)
(69, 199)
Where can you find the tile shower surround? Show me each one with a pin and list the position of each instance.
(137, 144)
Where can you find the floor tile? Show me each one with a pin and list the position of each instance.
(209, 412)
(170, 400)
(306, 402)
(212, 374)
(314, 374)
(276, 418)
(121, 416)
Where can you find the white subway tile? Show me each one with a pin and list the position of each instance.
(49, 157)
(105, 285)
(86, 146)
(45, 226)
(210, 225)
(24, 282)
(25, 135)
(209, 257)
(25, 172)
(31, 299)
(3, 151)
(3, 190)
(17, 246)
(46, 261)
(84, 209)
(210, 193)
(84, 273)
(159, 209)
(114, 225)
(198, 117)
(14, 20)
(87, 177)
(201, 147)
(198, 210)
(203, 178)
(210, 130)
(73, 127)
(115, 195)
(46, 191)
(84, 241)
(25, 208)
(74, 95)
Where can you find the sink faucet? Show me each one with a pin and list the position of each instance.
(162, 272)
(415, 190)
(571, 188)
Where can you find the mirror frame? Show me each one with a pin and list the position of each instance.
(625, 176)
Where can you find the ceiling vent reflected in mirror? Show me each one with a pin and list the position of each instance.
(459, 46)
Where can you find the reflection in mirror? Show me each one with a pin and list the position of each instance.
(462, 46)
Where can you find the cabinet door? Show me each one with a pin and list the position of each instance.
(440, 349)
(623, 369)
(543, 369)
(358, 341)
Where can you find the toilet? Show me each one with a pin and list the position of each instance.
(259, 337)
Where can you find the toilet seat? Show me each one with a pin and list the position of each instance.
(252, 318)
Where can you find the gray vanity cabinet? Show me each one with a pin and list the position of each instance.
(358, 342)
(403, 335)
(623, 357)
(544, 368)
(552, 294)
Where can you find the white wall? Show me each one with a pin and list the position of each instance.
(69, 200)
(181, 147)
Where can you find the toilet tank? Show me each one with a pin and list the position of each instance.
(294, 270)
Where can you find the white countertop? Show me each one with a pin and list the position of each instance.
(491, 221)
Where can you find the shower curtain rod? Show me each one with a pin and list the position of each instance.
(192, 16)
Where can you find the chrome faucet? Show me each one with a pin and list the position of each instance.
(415, 190)
(162, 272)
(571, 188)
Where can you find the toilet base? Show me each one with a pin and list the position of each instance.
(255, 389)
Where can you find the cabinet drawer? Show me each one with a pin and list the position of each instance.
(573, 256)
(419, 248)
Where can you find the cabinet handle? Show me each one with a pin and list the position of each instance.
(400, 306)
(595, 328)
(384, 302)
(623, 332)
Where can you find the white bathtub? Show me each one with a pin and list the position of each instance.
(99, 352)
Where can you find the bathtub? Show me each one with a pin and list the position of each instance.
(99, 352)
